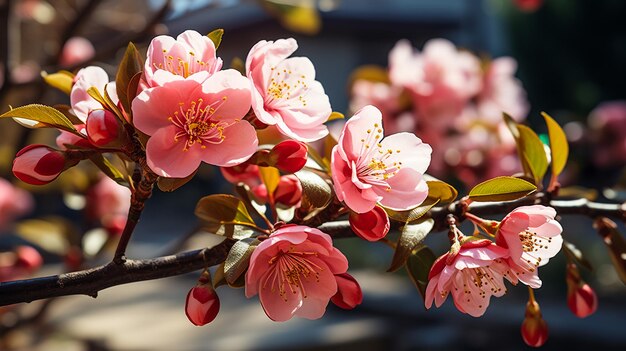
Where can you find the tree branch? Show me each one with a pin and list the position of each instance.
(89, 282)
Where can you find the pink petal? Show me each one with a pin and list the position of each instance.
(369, 118)
(276, 307)
(234, 89)
(168, 158)
(239, 144)
(413, 153)
(408, 189)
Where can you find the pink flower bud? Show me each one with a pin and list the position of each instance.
(103, 128)
(38, 164)
(66, 138)
(288, 191)
(581, 299)
(288, 156)
(202, 304)
(372, 225)
(534, 328)
(349, 294)
(28, 258)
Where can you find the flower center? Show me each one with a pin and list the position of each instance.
(285, 84)
(198, 123)
(290, 270)
(374, 165)
(480, 279)
(532, 243)
(181, 66)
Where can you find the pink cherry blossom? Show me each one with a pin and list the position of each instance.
(86, 78)
(608, 125)
(367, 169)
(108, 203)
(14, 202)
(285, 92)
(188, 54)
(294, 272)
(532, 237)
(77, 50)
(502, 92)
(195, 119)
(441, 78)
(472, 275)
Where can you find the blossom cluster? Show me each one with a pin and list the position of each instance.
(453, 100)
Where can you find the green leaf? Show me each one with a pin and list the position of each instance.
(46, 116)
(218, 276)
(534, 153)
(238, 259)
(216, 37)
(131, 64)
(512, 125)
(223, 209)
(559, 148)
(316, 193)
(109, 169)
(62, 80)
(443, 191)
(171, 184)
(411, 236)
(270, 177)
(501, 189)
(418, 266)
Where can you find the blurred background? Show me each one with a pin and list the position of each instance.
(569, 61)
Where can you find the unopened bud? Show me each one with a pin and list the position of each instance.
(372, 225)
(67, 139)
(288, 156)
(202, 304)
(581, 299)
(39, 164)
(349, 294)
(534, 328)
(103, 128)
(288, 191)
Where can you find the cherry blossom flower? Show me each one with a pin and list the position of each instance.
(367, 169)
(14, 202)
(77, 50)
(472, 274)
(285, 92)
(196, 119)
(502, 92)
(188, 54)
(532, 237)
(294, 272)
(91, 76)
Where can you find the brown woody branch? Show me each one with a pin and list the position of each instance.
(89, 282)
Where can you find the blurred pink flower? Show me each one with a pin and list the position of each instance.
(472, 274)
(195, 119)
(285, 92)
(91, 76)
(441, 79)
(608, 125)
(532, 237)
(77, 50)
(14, 202)
(188, 54)
(367, 169)
(108, 203)
(502, 92)
(294, 272)
(20, 263)
(386, 98)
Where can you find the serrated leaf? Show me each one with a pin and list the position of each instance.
(223, 209)
(270, 177)
(216, 37)
(62, 80)
(534, 153)
(559, 148)
(443, 191)
(129, 66)
(418, 266)
(410, 237)
(109, 169)
(501, 189)
(43, 116)
(316, 192)
(238, 259)
(334, 116)
(171, 184)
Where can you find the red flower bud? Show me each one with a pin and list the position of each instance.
(534, 328)
(38, 164)
(103, 128)
(288, 156)
(372, 225)
(581, 299)
(288, 191)
(202, 304)
(28, 258)
(349, 294)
